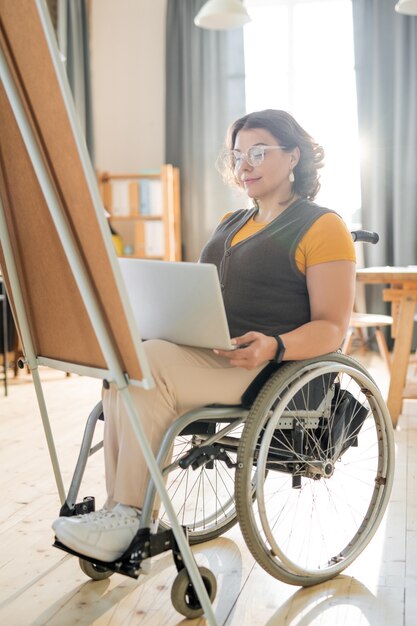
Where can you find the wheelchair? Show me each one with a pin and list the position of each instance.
(304, 464)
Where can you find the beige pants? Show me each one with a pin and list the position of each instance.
(185, 378)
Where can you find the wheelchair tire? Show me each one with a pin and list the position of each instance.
(93, 571)
(322, 480)
(183, 596)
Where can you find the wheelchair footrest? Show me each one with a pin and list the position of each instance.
(144, 545)
(88, 505)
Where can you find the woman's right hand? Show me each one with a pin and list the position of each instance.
(252, 349)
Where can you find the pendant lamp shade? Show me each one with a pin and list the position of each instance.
(222, 15)
(407, 7)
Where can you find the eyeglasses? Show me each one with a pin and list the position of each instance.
(254, 156)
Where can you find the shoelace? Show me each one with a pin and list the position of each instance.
(96, 515)
(109, 518)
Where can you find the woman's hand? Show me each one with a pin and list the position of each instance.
(252, 349)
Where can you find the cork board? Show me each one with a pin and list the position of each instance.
(59, 322)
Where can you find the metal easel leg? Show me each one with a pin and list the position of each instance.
(48, 432)
(156, 475)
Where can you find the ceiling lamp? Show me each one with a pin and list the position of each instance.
(222, 15)
(408, 7)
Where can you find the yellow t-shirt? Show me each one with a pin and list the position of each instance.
(328, 239)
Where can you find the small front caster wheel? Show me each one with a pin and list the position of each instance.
(184, 597)
(96, 572)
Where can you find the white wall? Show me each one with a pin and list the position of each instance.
(128, 83)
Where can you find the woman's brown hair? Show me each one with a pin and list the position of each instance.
(290, 135)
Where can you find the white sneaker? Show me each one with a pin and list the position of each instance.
(103, 534)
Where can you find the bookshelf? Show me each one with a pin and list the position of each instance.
(144, 210)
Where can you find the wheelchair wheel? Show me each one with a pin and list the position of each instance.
(204, 497)
(183, 596)
(95, 572)
(321, 439)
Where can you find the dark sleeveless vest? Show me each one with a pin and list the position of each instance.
(263, 290)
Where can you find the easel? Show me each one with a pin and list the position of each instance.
(59, 265)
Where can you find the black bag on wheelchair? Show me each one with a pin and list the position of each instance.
(332, 437)
(348, 416)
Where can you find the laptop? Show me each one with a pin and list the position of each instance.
(177, 301)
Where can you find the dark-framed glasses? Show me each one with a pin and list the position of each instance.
(254, 156)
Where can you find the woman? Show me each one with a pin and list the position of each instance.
(287, 270)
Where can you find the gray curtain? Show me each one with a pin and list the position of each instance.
(73, 39)
(386, 72)
(205, 92)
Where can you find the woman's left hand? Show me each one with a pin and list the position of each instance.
(252, 349)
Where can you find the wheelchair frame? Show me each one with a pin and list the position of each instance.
(274, 410)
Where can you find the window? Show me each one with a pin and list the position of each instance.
(299, 57)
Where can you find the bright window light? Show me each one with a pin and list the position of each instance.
(299, 57)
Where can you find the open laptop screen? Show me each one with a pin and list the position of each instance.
(177, 301)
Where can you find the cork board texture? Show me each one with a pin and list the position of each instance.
(59, 322)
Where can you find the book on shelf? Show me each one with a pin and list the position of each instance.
(151, 200)
(120, 201)
(154, 239)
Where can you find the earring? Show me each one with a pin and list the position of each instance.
(291, 177)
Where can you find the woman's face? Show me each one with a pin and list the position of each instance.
(270, 178)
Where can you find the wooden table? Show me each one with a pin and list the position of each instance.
(402, 293)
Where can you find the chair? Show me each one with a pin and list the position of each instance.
(361, 321)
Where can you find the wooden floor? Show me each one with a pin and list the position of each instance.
(41, 585)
